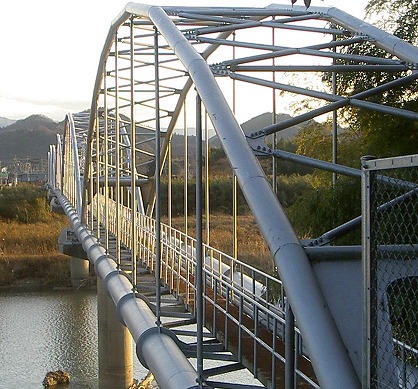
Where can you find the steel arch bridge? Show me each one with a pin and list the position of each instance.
(193, 70)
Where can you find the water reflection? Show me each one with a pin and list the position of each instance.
(71, 336)
(45, 331)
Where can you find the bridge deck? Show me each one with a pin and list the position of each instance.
(226, 339)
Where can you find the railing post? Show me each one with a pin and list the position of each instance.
(134, 207)
(106, 162)
(98, 172)
(157, 186)
(199, 241)
(117, 156)
(289, 347)
(369, 292)
(334, 119)
(186, 169)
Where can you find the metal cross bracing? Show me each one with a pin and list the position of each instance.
(193, 70)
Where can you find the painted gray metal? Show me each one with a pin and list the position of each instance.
(78, 178)
(199, 240)
(382, 364)
(403, 50)
(341, 281)
(94, 102)
(156, 349)
(336, 101)
(326, 349)
(316, 163)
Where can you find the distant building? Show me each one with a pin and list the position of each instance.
(28, 170)
(32, 177)
(4, 177)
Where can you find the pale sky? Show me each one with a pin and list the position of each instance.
(51, 48)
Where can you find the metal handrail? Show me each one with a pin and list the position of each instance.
(220, 272)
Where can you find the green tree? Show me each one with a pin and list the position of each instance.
(25, 203)
(384, 134)
(324, 208)
(366, 131)
(396, 16)
(315, 141)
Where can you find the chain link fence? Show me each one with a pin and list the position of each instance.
(390, 188)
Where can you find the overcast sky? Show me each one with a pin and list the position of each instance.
(50, 49)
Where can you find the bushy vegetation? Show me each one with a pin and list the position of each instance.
(252, 248)
(23, 203)
(221, 194)
(29, 239)
(382, 134)
(323, 208)
(219, 165)
(366, 132)
(51, 270)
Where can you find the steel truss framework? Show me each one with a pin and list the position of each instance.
(167, 69)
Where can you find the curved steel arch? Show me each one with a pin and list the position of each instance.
(72, 162)
(330, 359)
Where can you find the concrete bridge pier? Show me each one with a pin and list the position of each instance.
(80, 272)
(68, 244)
(115, 345)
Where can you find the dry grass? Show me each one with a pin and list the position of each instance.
(30, 252)
(252, 248)
(43, 270)
(32, 238)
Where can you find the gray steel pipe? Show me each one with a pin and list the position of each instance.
(78, 182)
(398, 47)
(315, 163)
(156, 349)
(326, 349)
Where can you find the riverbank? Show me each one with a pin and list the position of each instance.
(40, 271)
(29, 255)
(29, 233)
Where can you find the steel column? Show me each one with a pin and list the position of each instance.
(157, 184)
(199, 241)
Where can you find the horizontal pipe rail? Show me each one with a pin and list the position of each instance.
(123, 181)
(156, 348)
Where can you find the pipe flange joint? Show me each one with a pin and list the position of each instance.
(200, 387)
(149, 332)
(121, 302)
(109, 276)
(98, 260)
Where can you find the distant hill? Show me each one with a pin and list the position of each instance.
(177, 146)
(259, 122)
(31, 137)
(36, 122)
(4, 122)
(28, 138)
(265, 119)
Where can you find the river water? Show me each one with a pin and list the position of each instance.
(57, 330)
(44, 331)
